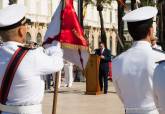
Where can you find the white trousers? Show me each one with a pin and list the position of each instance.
(31, 109)
(147, 112)
(68, 69)
(22, 113)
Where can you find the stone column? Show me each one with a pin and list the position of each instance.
(96, 38)
(114, 43)
(108, 39)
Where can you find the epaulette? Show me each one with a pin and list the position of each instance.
(158, 50)
(159, 62)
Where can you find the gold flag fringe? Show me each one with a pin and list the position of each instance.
(73, 46)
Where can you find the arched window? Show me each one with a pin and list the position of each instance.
(110, 42)
(12, 2)
(39, 38)
(28, 38)
(91, 44)
(99, 38)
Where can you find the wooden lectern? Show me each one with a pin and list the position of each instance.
(92, 75)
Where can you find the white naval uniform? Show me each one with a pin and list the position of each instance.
(132, 77)
(28, 85)
(68, 69)
(157, 47)
(159, 87)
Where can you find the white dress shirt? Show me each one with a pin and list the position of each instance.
(159, 87)
(28, 85)
(102, 51)
(132, 76)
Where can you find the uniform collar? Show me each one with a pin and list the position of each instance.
(141, 43)
(13, 43)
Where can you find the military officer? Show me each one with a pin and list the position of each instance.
(133, 70)
(159, 85)
(68, 71)
(27, 88)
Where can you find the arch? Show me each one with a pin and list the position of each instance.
(12, 2)
(99, 38)
(39, 38)
(91, 43)
(110, 42)
(28, 37)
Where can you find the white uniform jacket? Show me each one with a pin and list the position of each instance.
(157, 47)
(28, 85)
(159, 87)
(132, 74)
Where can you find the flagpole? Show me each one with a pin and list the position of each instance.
(54, 33)
(56, 83)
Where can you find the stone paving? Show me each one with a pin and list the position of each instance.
(74, 101)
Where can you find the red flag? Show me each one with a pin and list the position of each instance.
(71, 35)
(71, 28)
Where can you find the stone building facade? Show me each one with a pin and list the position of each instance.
(41, 11)
(92, 25)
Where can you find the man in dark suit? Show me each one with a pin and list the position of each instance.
(105, 56)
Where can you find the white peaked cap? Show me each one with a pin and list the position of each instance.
(140, 14)
(12, 15)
